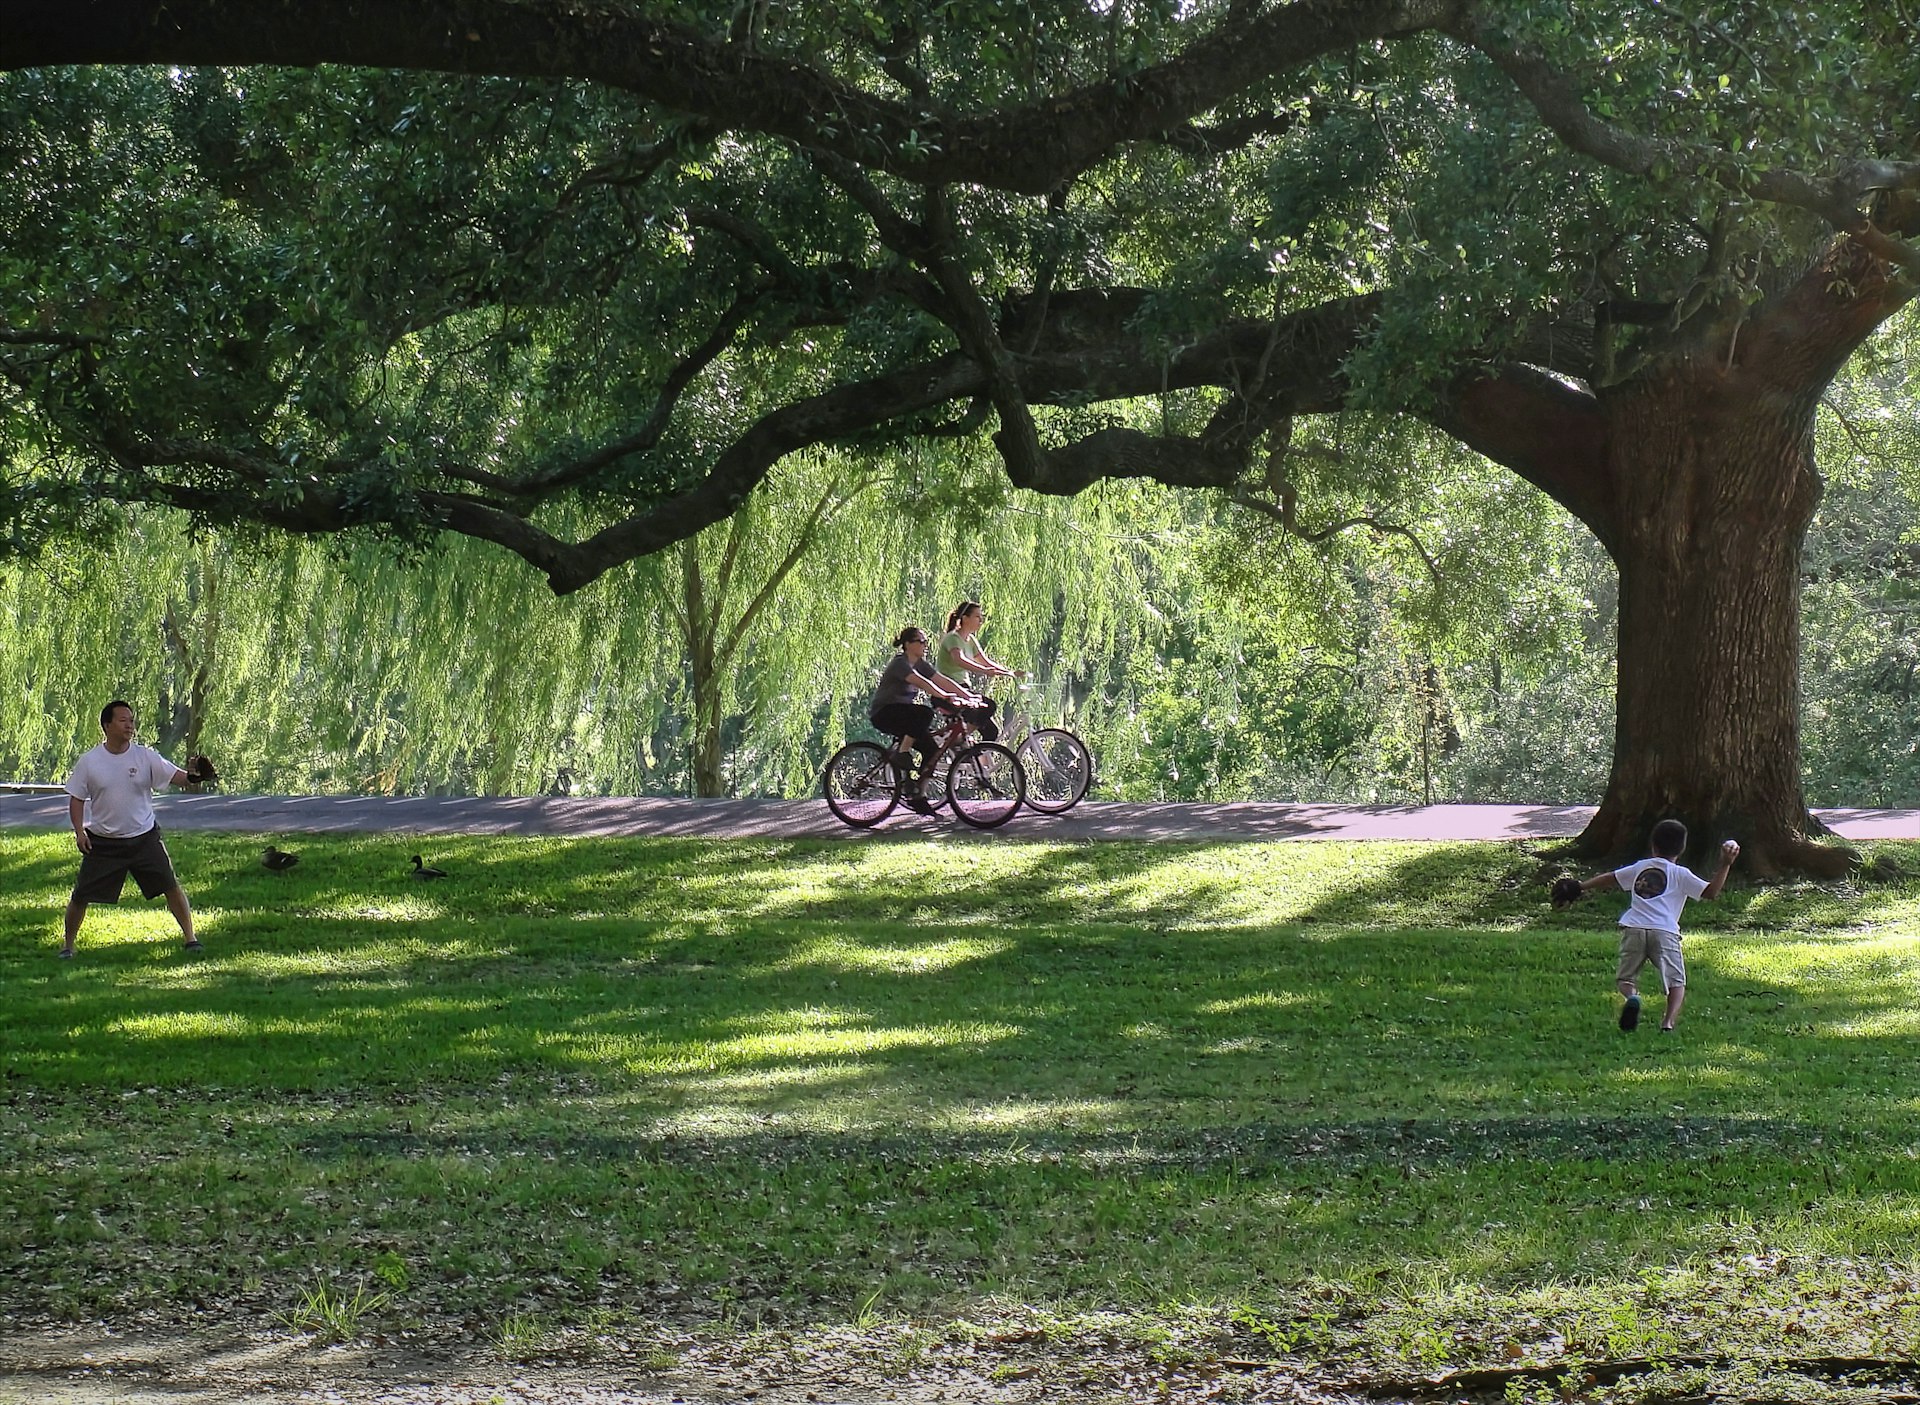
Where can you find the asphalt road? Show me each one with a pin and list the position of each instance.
(788, 819)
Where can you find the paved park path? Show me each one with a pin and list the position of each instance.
(810, 819)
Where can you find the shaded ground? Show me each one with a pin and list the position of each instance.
(798, 819)
(66, 1366)
(98, 1366)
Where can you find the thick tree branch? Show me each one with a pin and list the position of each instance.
(1088, 346)
(1805, 333)
(1304, 372)
(640, 164)
(1551, 433)
(1018, 438)
(1884, 246)
(1030, 147)
(896, 231)
(1176, 460)
(1229, 135)
(1836, 197)
(760, 245)
(834, 415)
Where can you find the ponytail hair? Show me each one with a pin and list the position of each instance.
(910, 632)
(960, 612)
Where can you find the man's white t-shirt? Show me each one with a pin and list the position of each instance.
(1659, 889)
(119, 789)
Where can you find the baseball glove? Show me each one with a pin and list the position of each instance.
(1566, 890)
(200, 769)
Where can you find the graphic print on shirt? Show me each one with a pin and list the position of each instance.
(1651, 883)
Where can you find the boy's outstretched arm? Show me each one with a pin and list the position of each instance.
(1599, 883)
(1729, 851)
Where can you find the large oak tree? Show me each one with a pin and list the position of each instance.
(572, 277)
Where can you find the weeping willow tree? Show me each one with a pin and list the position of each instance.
(313, 668)
(782, 614)
(732, 663)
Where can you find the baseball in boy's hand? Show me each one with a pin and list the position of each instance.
(1566, 890)
(1730, 850)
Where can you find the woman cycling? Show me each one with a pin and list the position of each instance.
(896, 712)
(961, 656)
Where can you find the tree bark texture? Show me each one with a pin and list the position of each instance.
(1698, 476)
(1714, 488)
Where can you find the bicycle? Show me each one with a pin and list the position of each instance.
(983, 781)
(1057, 765)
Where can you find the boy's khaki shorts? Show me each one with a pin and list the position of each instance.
(1639, 945)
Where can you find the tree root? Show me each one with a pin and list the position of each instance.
(1494, 1380)
(1799, 857)
(1766, 852)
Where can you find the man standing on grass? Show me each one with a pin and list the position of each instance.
(110, 804)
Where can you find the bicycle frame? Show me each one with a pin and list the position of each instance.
(950, 732)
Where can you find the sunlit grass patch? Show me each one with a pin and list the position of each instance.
(1262, 1000)
(180, 1024)
(897, 958)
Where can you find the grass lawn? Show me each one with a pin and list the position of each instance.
(1082, 1115)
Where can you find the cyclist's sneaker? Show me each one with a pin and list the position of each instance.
(916, 802)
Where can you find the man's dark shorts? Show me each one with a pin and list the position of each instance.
(103, 872)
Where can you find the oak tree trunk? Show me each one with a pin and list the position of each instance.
(1715, 486)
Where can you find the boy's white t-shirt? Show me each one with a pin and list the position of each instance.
(119, 789)
(1659, 888)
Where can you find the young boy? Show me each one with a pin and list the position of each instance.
(1650, 930)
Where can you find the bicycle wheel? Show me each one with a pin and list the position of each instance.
(985, 785)
(1058, 768)
(860, 784)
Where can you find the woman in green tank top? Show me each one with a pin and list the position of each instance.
(961, 657)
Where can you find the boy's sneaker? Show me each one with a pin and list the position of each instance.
(1630, 1014)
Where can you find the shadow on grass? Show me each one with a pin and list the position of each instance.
(790, 1071)
(810, 982)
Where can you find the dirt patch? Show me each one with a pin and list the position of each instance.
(106, 1366)
(225, 1368)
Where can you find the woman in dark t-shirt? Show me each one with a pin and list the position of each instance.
(896, 710)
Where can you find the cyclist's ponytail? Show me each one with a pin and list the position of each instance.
(960, 612)
(900, 640)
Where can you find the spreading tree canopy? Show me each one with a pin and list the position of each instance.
(572, 277)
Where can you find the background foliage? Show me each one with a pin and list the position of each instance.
(1469, 658)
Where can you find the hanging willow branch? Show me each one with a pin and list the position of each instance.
(1286, 512)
